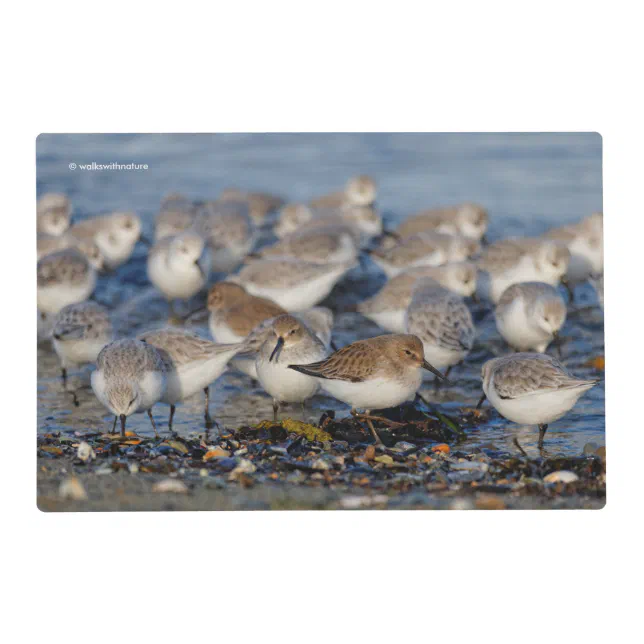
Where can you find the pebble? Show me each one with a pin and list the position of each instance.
(385, 458)
(172, 486)
(243, 467)
(358, 502)
(72, 488)
(85, 452)
(321, 464)
(470, 466)
(563, 476)
(403, 446)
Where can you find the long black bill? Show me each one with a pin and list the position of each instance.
(201, 270)
(435, 371)
(481, 401)
(196, 315)
(277, 350)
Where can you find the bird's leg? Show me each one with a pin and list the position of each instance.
(367, 417)
(123, 425)
(542, 432)
(172, 410)
(276, 407)
(63, 373)
(114, 425)
(518, 446)
(154, 426)
(209, 421)
(380, 419)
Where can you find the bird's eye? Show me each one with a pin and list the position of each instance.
(129, 225)
(408, 352)
(292, 331)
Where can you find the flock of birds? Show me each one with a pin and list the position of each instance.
(264, 315)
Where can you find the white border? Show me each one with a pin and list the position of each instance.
(532, 576)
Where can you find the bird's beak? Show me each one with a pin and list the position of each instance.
(277, 350)
(435, 371)
(481, 401)
(195, 315)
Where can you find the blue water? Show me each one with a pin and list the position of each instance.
(528, 182)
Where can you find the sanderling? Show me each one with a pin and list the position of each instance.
(585, 241)
(363, 222)
(130, 376)
(115, 234)
(531, 389)
(468, 219)
(47, 244)
(179, 266)
(358, 191)
(424, 249)
(443, 323)
(79, 334)
(192, 364)
(66, 277)
(234, 313)
(387, 307)
(260, 204)
(177, 214)
(54, 214)
(526, 259)
(319, 320)
(529, 315)
(229, 230)
(377, 373)
(288, 342)
(597, 282)
(320, 246)
(294, 284)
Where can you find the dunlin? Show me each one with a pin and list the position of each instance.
(529, 315)
(531, 389)
(377, 373)
(234, 313)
